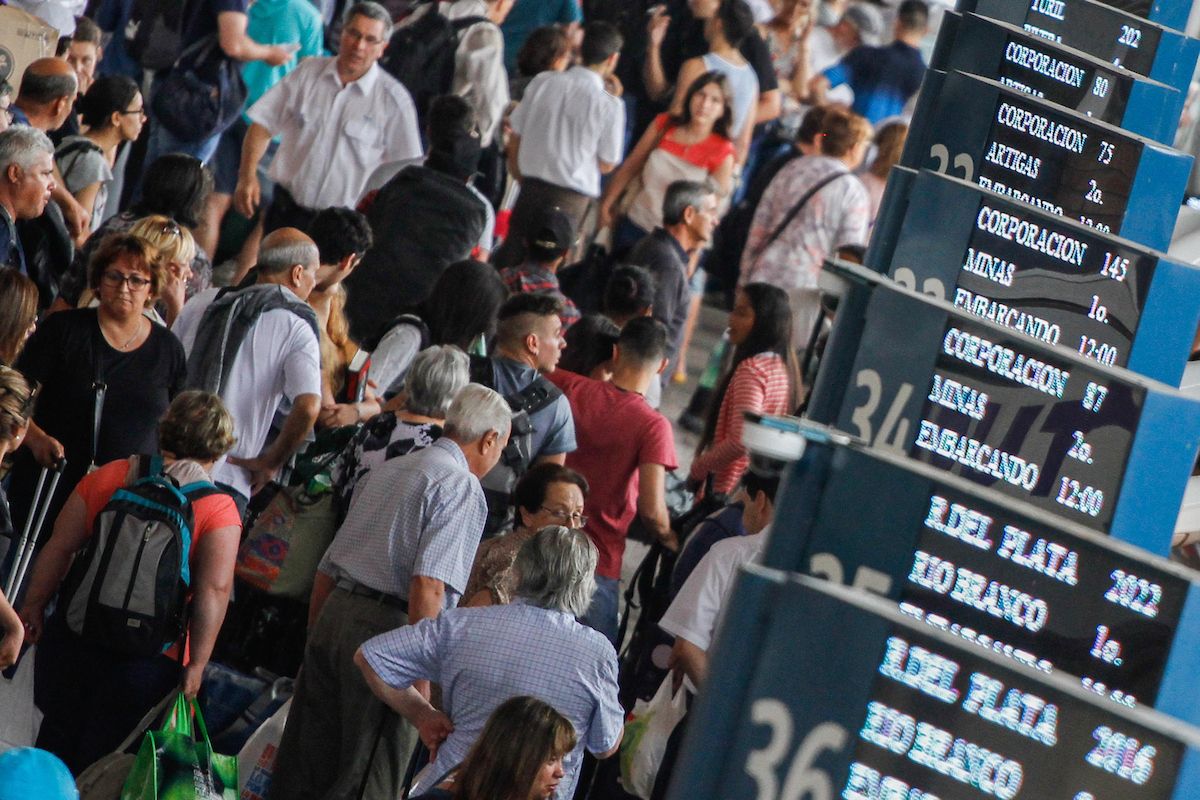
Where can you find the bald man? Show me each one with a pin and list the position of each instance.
(49, 87)
(258, 348)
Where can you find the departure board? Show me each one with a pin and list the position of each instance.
(1105, 32)
(1060, 282)
(997, 408)
(1038, 153)
(998, 574)
(897, 710)
(1062, 75)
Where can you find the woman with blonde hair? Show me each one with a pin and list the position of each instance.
(16, 402)
(889, 145)
(86, 719)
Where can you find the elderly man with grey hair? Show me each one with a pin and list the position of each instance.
(411, 421)
(483, 656)
(258, 347)
(403, 555)
(26, 181)
(337, 119)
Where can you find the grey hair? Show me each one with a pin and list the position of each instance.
(475, 412)
(436, 376)
(557, 570)
(21, 145)
(370, 10)
(282, 257)
(681, 195)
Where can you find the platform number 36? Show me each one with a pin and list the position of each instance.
(804, 779)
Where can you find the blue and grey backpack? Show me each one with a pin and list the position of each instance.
(127, 590)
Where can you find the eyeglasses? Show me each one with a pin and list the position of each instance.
(171, 228)
(116, 279)
(141, 112)
(575, 518)
(355, 36)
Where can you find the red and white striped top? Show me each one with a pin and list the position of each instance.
(759, 384)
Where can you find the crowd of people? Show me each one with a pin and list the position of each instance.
(428, 267)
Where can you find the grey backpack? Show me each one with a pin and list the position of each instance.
(127, 590)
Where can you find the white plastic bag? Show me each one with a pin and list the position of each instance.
(646, 735)
(20, 721)
(256, 761)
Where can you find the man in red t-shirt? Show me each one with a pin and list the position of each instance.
(624, 450)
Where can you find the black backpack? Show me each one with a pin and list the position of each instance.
(421, 56)
(154, 34)
(127, 590)
(517, 458)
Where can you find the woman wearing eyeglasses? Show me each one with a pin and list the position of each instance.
(547, 495)
(139, 364)
(113, 112)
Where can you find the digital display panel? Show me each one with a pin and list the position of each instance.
(1094, 28)
(947, 724)
(1058, 163)
(1043, 597)
(1054, 282)
(1035, 66)
(1027, 425)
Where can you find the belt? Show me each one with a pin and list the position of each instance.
(358, 590)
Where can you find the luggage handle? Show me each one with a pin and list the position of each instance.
(38, 508)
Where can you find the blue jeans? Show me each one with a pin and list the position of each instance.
(602, 613)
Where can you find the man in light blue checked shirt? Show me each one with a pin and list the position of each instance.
(403, 554)
(483, 656)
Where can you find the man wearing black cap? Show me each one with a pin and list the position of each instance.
(424, 219)
(546, 247)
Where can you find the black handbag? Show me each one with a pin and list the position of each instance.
(202, 95)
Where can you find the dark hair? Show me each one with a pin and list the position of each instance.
(176, 186)
(18, 311)
(520, 736)
(601, 41)
(723, 124)
(810, 124)
(629, 292)
(539, 304)
(763, 475)
(450, 320)
(144, 254)
(339, 232)
(589, 344)
(44, 89)
(644, 339)
(913, 15)
(737, 21)
(771, 333)
(841, 130)
(108, 95)
(86, 32)
(542, 48)
(531, 489)
(449, 117)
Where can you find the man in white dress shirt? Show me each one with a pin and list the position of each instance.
(567, 132)
(337, 119)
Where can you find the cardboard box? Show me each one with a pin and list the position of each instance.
(23, 38)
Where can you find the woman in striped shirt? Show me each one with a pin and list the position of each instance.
(763, 379)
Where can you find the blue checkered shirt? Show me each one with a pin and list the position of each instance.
(419, 514)
(483, 656)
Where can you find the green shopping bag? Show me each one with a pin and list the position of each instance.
(173, 764)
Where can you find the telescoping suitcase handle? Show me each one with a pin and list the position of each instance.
(27, 544)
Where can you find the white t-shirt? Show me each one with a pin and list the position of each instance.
(279, 360)
(568, 123)
(696, 612)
